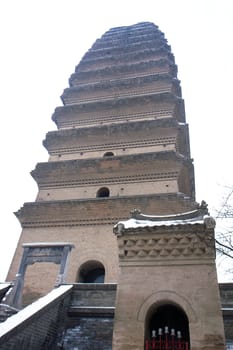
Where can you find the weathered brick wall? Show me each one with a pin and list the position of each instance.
(226, 292)
(39, 330)
(95, 63)
(91, 243)
(89, 324)
(97, 295)
(100, 73)
(228, 326)
(86, 224)
(149, 279)
(89, 333)
(121, 139)
(39, 272)
(98, 210)
(100, 91)
(143, 174)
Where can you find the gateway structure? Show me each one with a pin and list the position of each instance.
(122, 143)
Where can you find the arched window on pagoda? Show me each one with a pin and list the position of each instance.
(91, 272)
(108, 154)
(103, 192)
(166, 328)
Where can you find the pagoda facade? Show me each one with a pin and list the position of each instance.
(121, 146)
(122, 142)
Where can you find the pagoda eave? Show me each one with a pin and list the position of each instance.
(99, 211)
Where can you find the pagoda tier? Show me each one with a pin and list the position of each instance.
(148, 55)
(134, 47)
(111, 90)
(142, 27)
(150, 173)
(123, 71)
(132, 35)
(99, 211)
(151, 106)
(124, 39)
(145, 136)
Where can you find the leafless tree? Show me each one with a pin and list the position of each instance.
(224, 232)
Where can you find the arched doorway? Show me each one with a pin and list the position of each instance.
(91, 272)
(166, 327)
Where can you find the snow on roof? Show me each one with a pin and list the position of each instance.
(133, 223)
(4, 285)
(31, 309)
(47, 244)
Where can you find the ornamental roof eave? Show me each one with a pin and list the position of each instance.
(133, 226)
(140, 223)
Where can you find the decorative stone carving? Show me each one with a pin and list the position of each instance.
(181, 236)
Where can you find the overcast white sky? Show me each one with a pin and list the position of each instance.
(42, 42)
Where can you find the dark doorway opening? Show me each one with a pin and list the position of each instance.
(167, 323)
(91, 272)
(108, 154)
(103, 192)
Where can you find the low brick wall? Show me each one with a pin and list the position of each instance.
(226, 294)
(95, 295)
(37, 326)
(88, 333)
(89, 325)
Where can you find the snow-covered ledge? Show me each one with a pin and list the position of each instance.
(29, 311)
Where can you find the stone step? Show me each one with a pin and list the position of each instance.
(89, 321)
(91, 311)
